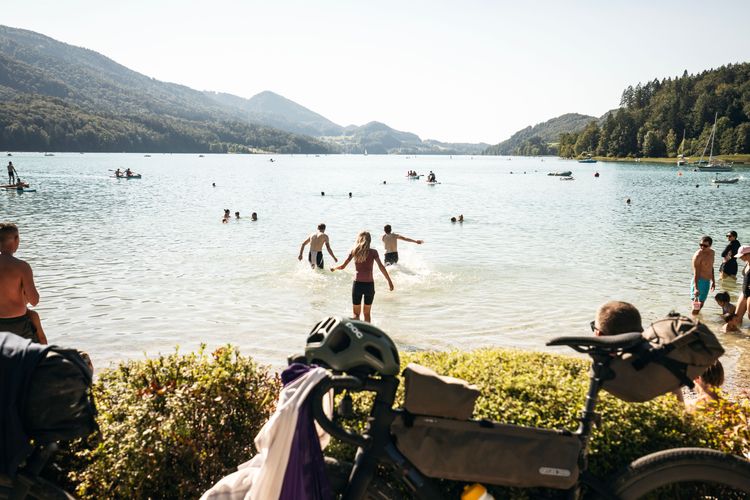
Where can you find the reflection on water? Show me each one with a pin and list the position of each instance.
(132, 266)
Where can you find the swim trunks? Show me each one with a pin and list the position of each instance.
(21, 326)
(315, 259)
(390, 258)
(364, 289)
(703, 287)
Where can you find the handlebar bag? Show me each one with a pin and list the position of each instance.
(427, 393)
(488, 452)
(675, 351)
(59, 405)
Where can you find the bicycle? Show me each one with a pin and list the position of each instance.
(27, 484)
(673, 473)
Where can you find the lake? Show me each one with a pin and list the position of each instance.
(127, 267)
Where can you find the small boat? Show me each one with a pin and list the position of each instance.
(49, 154)
(715, 167)
(147, 156)
(710, 166)
(733, 180)
(567, 173)
(587, 160)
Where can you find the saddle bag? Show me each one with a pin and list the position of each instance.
(674, 352)
(59, 405)
(427, 393)
(488, 452)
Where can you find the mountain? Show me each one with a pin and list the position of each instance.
(279, 112)
(532, 141)
(57, 97)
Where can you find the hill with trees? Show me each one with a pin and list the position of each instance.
(536, 140)
(653, 117)
(57, 97)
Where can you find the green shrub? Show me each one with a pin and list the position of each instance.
(174, 425)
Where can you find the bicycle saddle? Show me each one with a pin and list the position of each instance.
(605, 342)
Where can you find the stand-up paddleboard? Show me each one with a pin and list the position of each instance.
(14, 186)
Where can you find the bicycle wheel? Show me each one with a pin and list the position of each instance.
(39, 489)
(338, 474)
(685, 473)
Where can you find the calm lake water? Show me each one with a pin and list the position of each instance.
(127, 267)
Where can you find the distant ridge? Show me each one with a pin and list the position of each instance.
(271, 109)
(532, 141)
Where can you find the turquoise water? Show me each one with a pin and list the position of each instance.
(127, 267)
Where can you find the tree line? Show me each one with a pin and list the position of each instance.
(43, 123)
(654, 117)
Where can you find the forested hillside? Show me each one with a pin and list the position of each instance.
(533, 141)
(54, 96)
(653, 117)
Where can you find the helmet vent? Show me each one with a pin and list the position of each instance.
(315, 338)
(338, 341)
(374, 352)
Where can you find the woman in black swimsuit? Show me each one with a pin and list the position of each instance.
(364, 284)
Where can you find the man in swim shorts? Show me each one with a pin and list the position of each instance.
(703, 273)
(390, 240)
(11, 173)
(316, 241)
(17, 289)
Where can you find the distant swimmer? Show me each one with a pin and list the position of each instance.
(461, 218)
(254, 216)
(322, 193)
(453, 219)
(627, 201)
(316, 241)
(350, 194)
(213, 184)
(236, 215)
(390, 240)
(363, 287)
(596, 174)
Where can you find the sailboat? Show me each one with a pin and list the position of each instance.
(680, 151)
(711, 166)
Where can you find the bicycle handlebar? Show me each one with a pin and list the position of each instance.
(336, 382)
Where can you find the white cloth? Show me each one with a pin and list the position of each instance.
(262, 477)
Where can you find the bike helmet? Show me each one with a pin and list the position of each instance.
(350, 345)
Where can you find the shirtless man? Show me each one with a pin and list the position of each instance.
(12, 174)
(703, 272)
(17, 289)
(316, 241)
(390, 240)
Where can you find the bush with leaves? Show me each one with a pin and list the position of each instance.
(548, 390)
(174, 425)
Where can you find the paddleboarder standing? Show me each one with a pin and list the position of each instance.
(12, 174)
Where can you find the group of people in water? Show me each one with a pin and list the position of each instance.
(704, 281)
(364, 257)
(228, 215)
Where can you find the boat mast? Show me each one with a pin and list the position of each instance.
(713, 134)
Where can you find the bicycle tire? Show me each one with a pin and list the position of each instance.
(338, 475)
(685, 472)
(39, 489)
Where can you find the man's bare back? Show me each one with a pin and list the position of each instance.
(317, 240)
(17, 287)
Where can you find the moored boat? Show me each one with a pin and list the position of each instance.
(733, 180)
(567, 173)
(710, 165)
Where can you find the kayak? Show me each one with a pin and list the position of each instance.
(134, 176)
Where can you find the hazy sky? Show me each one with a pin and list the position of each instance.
(465, 71)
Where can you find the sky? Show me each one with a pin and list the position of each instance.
(469, 71)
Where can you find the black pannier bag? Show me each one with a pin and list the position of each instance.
(59, 404)
(488, 452)
(675, 351)
(427, 393)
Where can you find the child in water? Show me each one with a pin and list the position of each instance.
(727, 308)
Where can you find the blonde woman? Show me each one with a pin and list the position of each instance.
(364, 284)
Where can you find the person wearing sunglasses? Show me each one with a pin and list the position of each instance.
(703, 274)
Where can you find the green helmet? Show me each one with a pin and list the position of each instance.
(350, 345)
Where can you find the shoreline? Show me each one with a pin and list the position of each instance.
(739, 159)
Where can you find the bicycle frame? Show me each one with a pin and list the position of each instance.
(377, 446)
